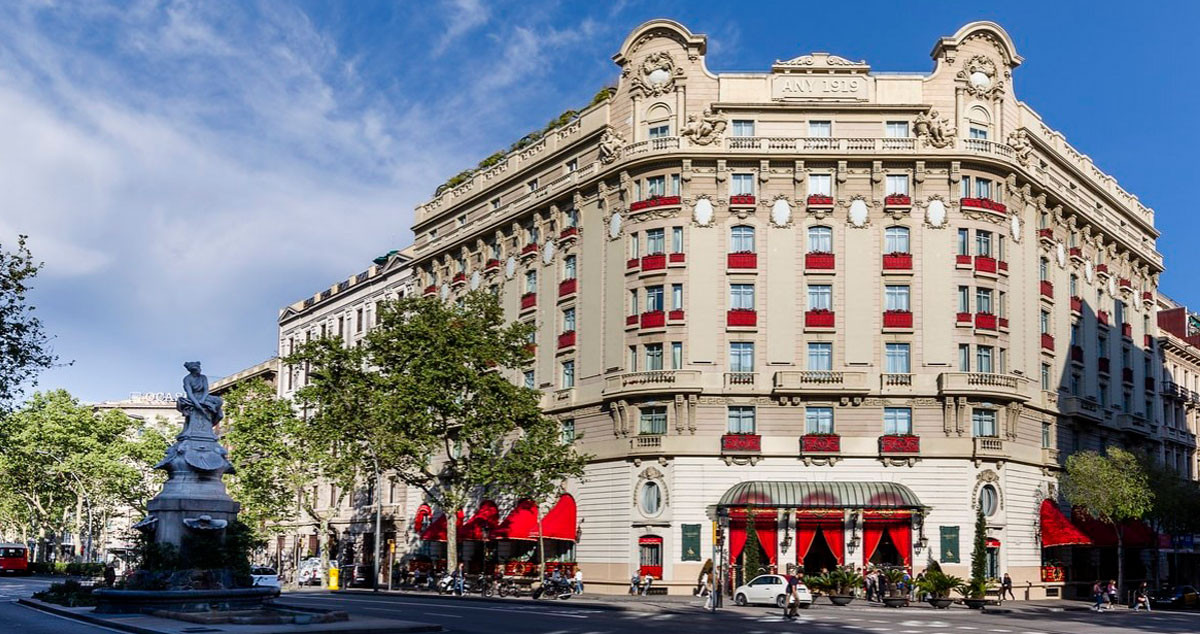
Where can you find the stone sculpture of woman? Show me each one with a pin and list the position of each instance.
(196, 396)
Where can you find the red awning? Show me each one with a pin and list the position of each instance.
(521, 523)
(1057, 530)
(992, 542)
(559, 522)
(421, 518)
(1134, 533)
(436, 531)
(482, 523)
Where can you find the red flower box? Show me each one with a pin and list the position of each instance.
(897, 319)
(568, 232)
(818, 200)
(1147, 296)
(1102, 364)
(492, 264)
(1048, 289)
(897, 200)
(631, 320)
(567, 339)
(963, 318)
(1076, 304)
(528, 300)
(743, 443)
(1002, 265)
(658, 201)
(899, 443)
(897, 261)
(431, 289)
(1102, 317)
(1125, 283)
(632, 263)
(1127, 330)
(986, 204)
(1075, 252)
(962, 259)
(1003, 321)
(820, 443)
(566, 287)
(985, 321)
(742, 260)
(1102, 268)
(459, 278)
(529, 249)
(654, 262)
(675, 315)
(742, 200)
(741, 317)
(1077, 353)
(1046, 234)
(818, 318)
(531, 348)
(1047, 341)
(819, 260)
(1127, 375)
(677, 258)
(984, 264)
(654, 319)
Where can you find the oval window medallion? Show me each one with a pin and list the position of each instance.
(614, 225)
(475, 280)
(445, 293)
(510, 267)
(703, 213)
(935, 213)
(1014, 227)
(548, 253)
(858, 212)
(781, 213)
(980, 80)
(1088, 271)
(1112, 286)
(1060, 252)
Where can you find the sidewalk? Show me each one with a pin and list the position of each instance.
(624, 602)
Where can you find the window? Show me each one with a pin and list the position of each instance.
(654, 298)
(979, 133)
(633, 302)
(676, 239)
(983, 300)
(572, 216)
(964, 242)
(983, 188)
(1103, 394)
(820, 129)
(964, 299)
(656, 186)
(568, 431)
(983, 358)
(1044, 269)
(1045, 322)
(651, 505)
(655, 242)
(674, 191)
(654, 356)
(741, 356)
(818, 420)
(495, 247)
(358, 320)
(635, 245)
(653, 420)
(820, 297)
(897, 358)
(741, 419)
(983, 243)
(742, 185)
(568, 374)
(965, 186)
(569, 264)
(1047, 436)
(677, 297)
(820, 185)
(988, 500)
(495, 204)
(572, 165)
(964, 357)
(820, 356)
(660, 131)
(896, 298)
(1075, 333)
(896, 129)
(633, 359)
(741, 239)
(820, 240)
(743, 127)
(897, 420)
(897, 184)
(676, 355)
(532, 185)
(1046, 376)
(895, 240)
(530, 281)
(461, 220)
(741, 297)
(1076, 384)
(983, 423)
(529, 379)
(568, 322)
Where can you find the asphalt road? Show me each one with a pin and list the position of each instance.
(18, 619)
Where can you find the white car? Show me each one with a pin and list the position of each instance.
(771, 590)
(264, 577)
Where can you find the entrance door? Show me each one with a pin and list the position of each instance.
(886, 553)
(820, 556)
(650, 556)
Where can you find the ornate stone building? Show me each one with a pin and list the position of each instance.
(853, 305)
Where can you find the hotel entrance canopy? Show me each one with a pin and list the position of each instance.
(819, 495)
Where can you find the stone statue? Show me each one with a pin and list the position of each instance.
(610, 146)
(933, 129)
(196, 397)
(704, 129)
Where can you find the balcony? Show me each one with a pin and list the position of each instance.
(1076, 304)
(632, 264)
(740, 379)
(897, 201)
(820, 200)
(741, 318)
(528, 300)
(653, 202)
(1102, 317)
(459, 279)
(985, 321)
(676, 259)
(431, 289)
(566, 340)
(1127, 331)
(802, 382)
(1103, 364)
(675, 315)
(1147, 297)
(653, 319)
(1046, 235)
(820, 444)
(646, 444)
(742, 260)
(1101, 269)
(741, 200)
(819, 318)
(1077, 354)
(1125, 284)
(962, 319)
(741, 444)
(568, 233)
(985, 264)
(631, 320)
(1127, 375)
(1049, 455)
(989, 447)
(1076, 253)
(654, 262)
(887, 380)
(1135, 423)
(982, 385)
(568, 287)
(1047, 288)
(1148, 341)
(529, 249)
(899, 444)
(1080, 408)
(1047, 342)
(653, 382)
(984, 204)
(897, 261)
(492, 265)
(962, 261)
(818, 261)
(897, 319)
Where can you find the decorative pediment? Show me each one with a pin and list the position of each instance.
(820, 62)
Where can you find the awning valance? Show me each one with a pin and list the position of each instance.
(801, 495)
(1057, 530)
(521, 523)
(559, 522)
(482, 523)
(421, 518)
(1134, 533)
(436, 530)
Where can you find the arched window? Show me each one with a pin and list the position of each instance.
(979, 123)
(651, 498)
(741, 239)
(820, 240)
(658, 121)
(895, 240)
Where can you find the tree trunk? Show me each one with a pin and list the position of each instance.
(78, 545)
(541, 546)
(451, 540)
(323, 550)
(1120, 562)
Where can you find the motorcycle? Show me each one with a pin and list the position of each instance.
(508, 588)
(551, 588)
(445, 583)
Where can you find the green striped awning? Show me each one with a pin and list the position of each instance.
(800, 495)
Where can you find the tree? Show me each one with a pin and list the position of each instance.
(751, 561)
(1112, 488)
(24, 346)
(430, 396)
(979, 547)
(1176, 507)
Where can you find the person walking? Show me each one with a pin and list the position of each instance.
(1111, 591)
(460, 577)
(790, 603)
(578, 581)
(634, 582)
(1098, 591)
(1141, 598)
(1006, 588)
(647, 581)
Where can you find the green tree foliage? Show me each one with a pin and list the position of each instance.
(751, 557)
(430, 397)
(24, 346)
(1112, 488)
(979, 547)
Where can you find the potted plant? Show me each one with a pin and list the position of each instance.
(938, 585)
(843, 582)
(974, 593)
(893, 579)
(817, 585)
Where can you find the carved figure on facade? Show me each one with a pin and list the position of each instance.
(979, 73)
(933, 129)
(657, 74)
(1018, 140)
(610, 146)
(705, 128)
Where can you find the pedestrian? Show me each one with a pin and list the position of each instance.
(1141, 598)
(1097, 595)
(460, 577)
(634, 582)
(790, 603)
(647, 581)
(1006, 588)
(1112, 594)
(110, 576)
(578, 581)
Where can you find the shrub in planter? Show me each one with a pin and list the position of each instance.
(843, 582)
(974, 593)
(69, 593)
(938, 585)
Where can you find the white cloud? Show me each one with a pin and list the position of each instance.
(462, 17)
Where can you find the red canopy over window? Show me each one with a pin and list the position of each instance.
(992, 542)
(422, 516)
(436, 531)
(1134, 534)
(485, 520)
(1057, 530)
(559, 522)
(521, 523)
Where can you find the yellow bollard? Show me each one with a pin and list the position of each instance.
(333, 578)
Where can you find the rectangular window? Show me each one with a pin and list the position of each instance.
(743, 127)
(820, 356)
(569, 264)
(495, 204)
(983, 423)
(1046, 376)
(964, 242)
(1047, 436)
(983, 243)
(983, 188)
(572, 165)
(818, 420)
(742, 185)
(656, 186)
(655, 242)
(820, 185)
(676, 239)
(654, 356)
(531, 281)
(820, 129)
(569, 320)
(896, 129)
(964, 299)
(1103, 394)
(983, 300)
(653, 421)
(897, 358)
(532, 185)
(677, 297)
(741, 239)
(896, 297)
(983, 359)
(895, 240)
(978, 133)
(358, 320)
(676, 355)
(1076, 384)
(633, 302)
(741, 297)
(820, 297)
(660, 131)
(1045, 323)
(568, 431)
(572, 217)
(964, 357)
(965, 186)
(633, 359)
(897, 420)
(897, 184)
(741, 419)
(741, 356)
(1043, 269)
(674, 189)
(654, 298)
(529, 379)
(635, 245)
(568, 374)
(820, 240)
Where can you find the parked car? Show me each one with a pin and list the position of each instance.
(770, 590)
(309, 572)
(1177, 597)
(264, 577)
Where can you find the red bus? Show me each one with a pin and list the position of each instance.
(14, 558)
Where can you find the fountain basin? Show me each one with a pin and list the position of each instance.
(110, 601)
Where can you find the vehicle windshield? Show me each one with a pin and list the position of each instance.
(262, 571)
(12, 552)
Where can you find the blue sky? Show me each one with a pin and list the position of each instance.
(185, 169)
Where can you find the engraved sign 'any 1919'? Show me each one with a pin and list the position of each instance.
(819, 87)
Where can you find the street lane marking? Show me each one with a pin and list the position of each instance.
(453, 616)
(397, 607)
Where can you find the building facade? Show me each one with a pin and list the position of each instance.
(757, 293)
